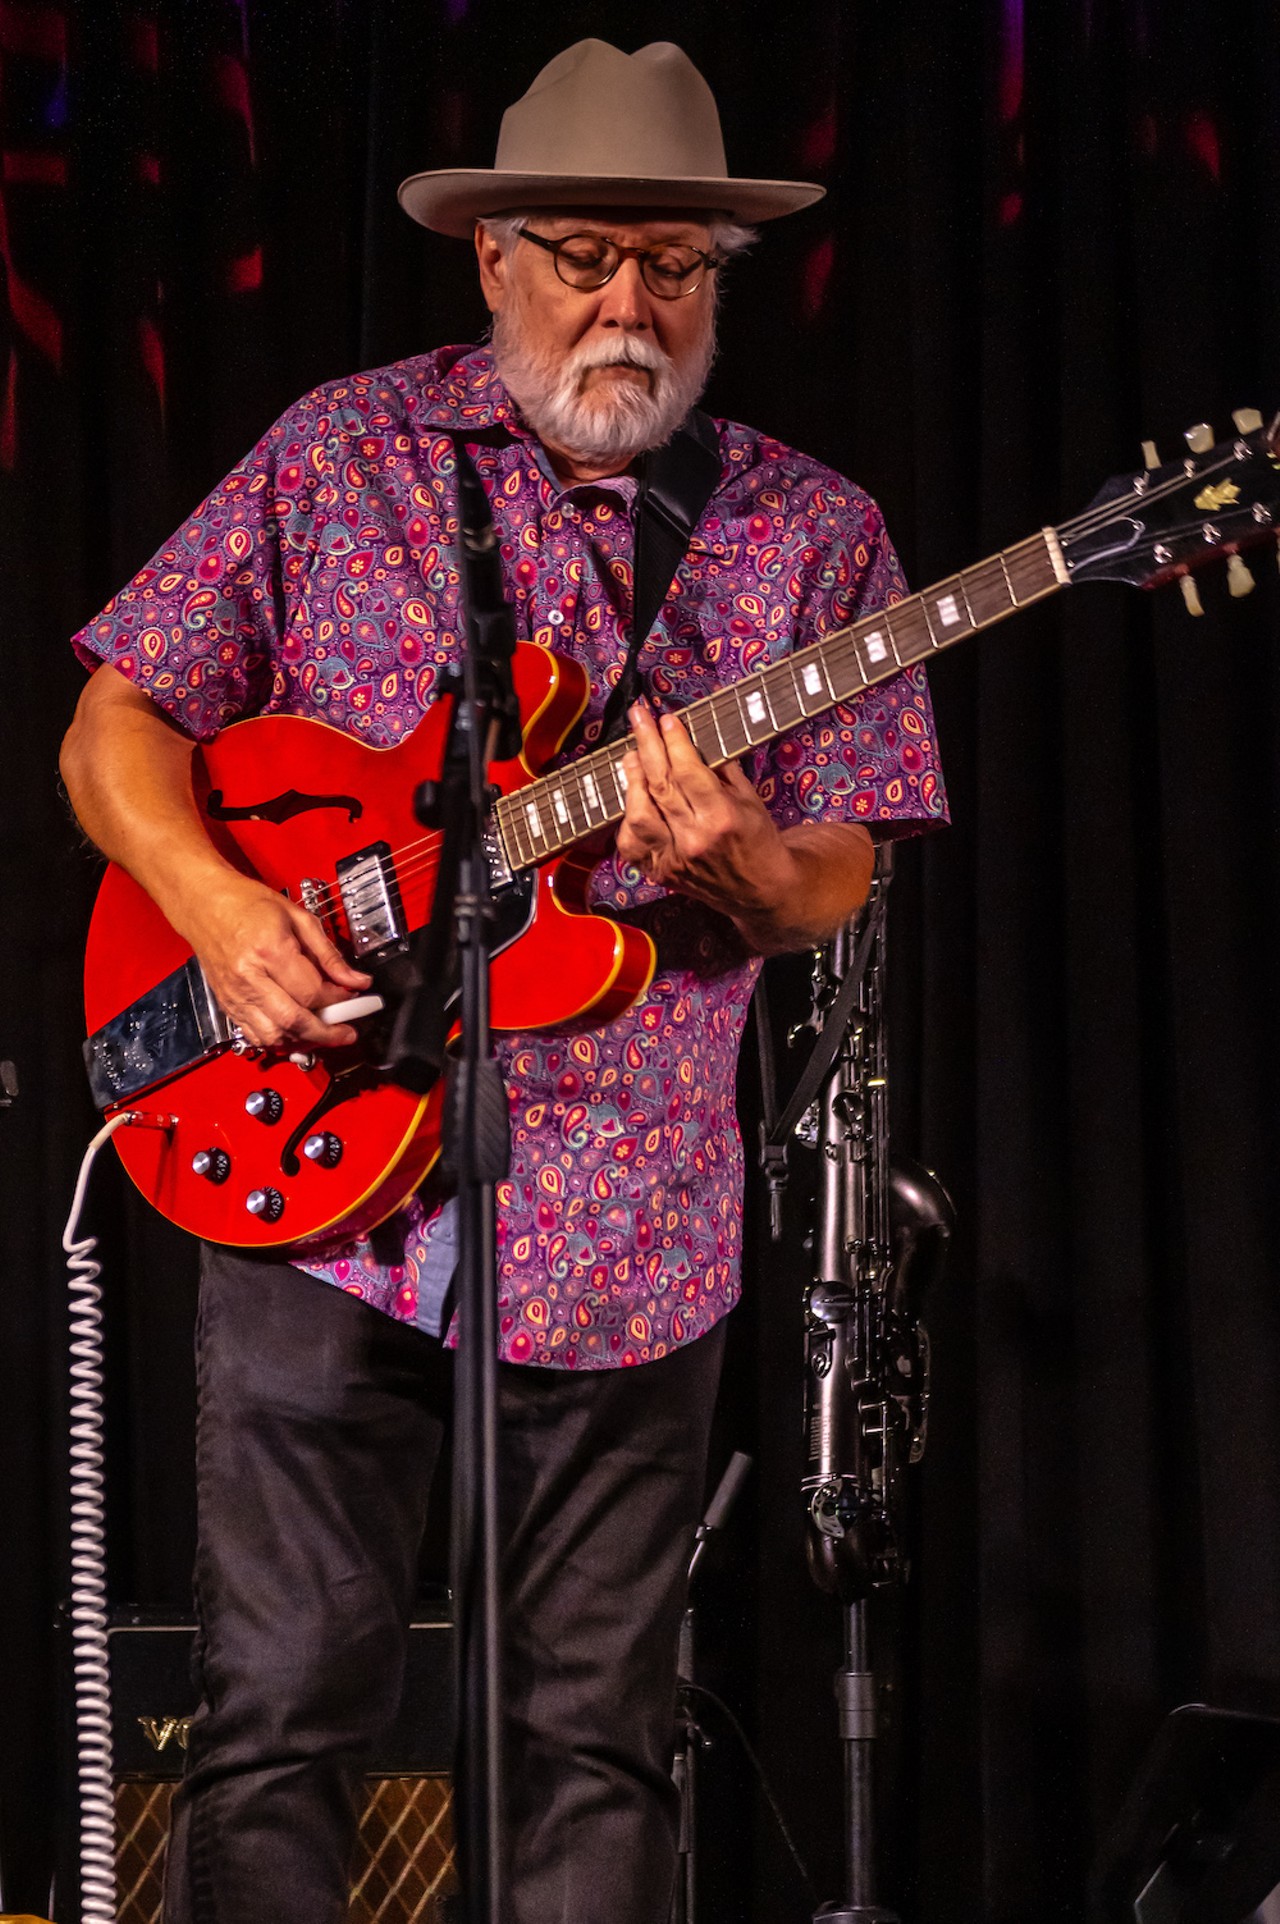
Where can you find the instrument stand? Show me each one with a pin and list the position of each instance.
(451, 966)
(881, 1236)
(855, 1690)
(690, 1737)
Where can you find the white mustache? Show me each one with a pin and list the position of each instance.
(644, 355)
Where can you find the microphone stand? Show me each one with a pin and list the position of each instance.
(451, 965)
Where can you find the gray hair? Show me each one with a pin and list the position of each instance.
(728, 239)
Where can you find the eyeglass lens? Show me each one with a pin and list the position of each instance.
(588, 260)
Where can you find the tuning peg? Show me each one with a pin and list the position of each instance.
(1247, 420)
(1200, 438)
(1239, 580)
(1150, 454)
(1191, 595)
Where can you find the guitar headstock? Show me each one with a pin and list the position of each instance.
(1176, 516)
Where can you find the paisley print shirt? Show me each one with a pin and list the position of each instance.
(317, 580)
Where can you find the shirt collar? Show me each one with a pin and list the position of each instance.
(469, 394)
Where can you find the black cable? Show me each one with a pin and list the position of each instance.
(700, 1690)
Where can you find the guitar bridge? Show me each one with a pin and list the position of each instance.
(172, 1027)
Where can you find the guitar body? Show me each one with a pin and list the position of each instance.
(289, 799)
(319, 815)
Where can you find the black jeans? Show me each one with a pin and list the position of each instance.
(320, 1424)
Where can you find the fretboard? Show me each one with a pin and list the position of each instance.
(556, 811)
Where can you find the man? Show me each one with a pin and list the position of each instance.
(316, 581)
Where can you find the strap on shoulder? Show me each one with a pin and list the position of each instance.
(679, 479)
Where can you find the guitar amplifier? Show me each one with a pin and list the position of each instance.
(404, 1863)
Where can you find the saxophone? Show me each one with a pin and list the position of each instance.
(884, 1226)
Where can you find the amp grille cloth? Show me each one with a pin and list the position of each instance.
(404, 1859)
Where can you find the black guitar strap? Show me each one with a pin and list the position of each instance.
(676, 483)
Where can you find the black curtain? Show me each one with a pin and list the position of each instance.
(1050, 232)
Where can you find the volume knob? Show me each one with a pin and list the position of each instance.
(266, 1204)
(323, 1148)
(213, 1164)
(267, 1105)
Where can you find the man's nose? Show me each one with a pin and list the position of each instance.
(625, 301)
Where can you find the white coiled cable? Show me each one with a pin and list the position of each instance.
(90, 1661)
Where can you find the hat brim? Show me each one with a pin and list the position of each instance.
(451, 201)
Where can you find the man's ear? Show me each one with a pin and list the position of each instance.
(493, 269)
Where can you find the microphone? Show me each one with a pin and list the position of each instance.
(727, 1492)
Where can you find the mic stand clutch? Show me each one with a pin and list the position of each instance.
(451, 967)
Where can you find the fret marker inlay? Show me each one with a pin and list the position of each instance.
(563, 808)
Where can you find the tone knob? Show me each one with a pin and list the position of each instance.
(323, 1148)
(266, 1204)
(213, 1164)
(266, 1104)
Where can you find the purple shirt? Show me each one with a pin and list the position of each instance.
(317, 580)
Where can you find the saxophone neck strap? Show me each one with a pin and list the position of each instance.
(777, 1129)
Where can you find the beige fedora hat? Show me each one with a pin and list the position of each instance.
(602, 128)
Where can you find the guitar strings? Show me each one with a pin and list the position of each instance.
(417, 860)
(1103, 511)
(603, 765)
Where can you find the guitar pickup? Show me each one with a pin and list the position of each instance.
(371, 901)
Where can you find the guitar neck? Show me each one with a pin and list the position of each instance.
(551, 814)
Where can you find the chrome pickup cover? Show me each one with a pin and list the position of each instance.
(174, 1025)
(371, 899)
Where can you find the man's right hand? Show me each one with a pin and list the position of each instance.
(127, 768)
(269, 963)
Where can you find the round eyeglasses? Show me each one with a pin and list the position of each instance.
(670, 270)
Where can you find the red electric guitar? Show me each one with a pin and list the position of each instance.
(300, 1153)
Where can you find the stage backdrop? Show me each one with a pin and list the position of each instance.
(1050, 232)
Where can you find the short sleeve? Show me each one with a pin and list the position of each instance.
(873, 760)
(201, 626)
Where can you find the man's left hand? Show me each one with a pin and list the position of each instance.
(706, 833)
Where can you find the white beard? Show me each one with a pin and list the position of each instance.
(616, 419)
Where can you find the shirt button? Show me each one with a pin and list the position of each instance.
(556, 618)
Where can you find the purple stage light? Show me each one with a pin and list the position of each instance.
(1012, 59)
